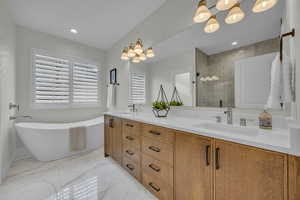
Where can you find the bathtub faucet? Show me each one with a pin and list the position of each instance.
(22, 116)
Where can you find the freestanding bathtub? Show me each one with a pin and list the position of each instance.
(49, 141)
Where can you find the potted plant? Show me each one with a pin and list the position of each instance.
(175, 100)
(161, 106)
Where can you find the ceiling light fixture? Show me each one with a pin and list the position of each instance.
(234, 43)
(263, 5)
(74, 31)
(235, 15)
(212, 25)
(150, 53)
(225, 4)
(136, 53)
(203, 13)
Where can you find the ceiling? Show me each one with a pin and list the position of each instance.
(100, 23)
(254, 28)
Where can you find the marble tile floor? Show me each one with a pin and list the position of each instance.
(88, 176)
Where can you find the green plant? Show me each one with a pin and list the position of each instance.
(160, 105)
(176, 103)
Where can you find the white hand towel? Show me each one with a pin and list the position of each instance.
(274, 99)
(286, 80)
(111, 96)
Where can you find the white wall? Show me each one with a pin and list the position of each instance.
(7, 87)
(28, 40)
(164, 71)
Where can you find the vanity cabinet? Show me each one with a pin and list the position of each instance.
(243, 172)
(193, 167)
(113, 138)
(184, 166)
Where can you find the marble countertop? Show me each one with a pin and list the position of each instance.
(279, 140)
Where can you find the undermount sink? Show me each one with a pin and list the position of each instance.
(228, 128)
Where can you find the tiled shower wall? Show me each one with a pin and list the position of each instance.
(210, 93)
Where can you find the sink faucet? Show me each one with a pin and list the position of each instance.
(228, 112)
(133, 108)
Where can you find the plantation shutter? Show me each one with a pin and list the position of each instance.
(85, 83)
(137, 88)
(51, 80)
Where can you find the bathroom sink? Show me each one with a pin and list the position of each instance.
(228, 128)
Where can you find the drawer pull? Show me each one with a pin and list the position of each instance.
(129, 152)
(155, 168)
(129, 138)
(130, 125)
(207, 147)
(157, 189)
(154, 149)
(154, 132)
(130, 167)
(217, 158)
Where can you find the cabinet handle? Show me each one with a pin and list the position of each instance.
(155, 168)
(217, 158)
(130, 125)
(130, 167)
(154, 133)
(129, 138)
(154, 149)
(207, 147)
(157, 189)
(129, 153)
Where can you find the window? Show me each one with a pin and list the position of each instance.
(61, 82)
(137, 88)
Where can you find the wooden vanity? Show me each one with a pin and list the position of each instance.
(184, 166)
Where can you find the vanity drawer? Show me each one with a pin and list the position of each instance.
(158, 133)
(132, 167)
(158, 150)
(157, 168)
(132, 140)
(131, 127)
(157, 187)
(131, 152)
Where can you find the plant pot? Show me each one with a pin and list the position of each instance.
(160, 113)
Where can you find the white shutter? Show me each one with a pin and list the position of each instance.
(51, 80)
(137, 88)
(85, 83)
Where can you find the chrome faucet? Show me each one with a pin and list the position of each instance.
(228, 112)
(133, 108)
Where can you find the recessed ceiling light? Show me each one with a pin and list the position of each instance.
(74, 31)
(234, 43)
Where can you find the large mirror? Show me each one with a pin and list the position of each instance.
(231, 67)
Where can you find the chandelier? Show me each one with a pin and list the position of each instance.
(234, 15)
(136, 53)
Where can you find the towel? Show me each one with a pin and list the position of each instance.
(111, 96)
(274, 99)
(286, 95)
(77, 137)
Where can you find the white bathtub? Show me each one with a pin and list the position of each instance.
(49, 141)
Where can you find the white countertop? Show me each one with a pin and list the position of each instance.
(279, 140)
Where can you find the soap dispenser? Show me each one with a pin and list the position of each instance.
(265, 120)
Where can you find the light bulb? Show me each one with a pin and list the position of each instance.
(263, 5)
(150, 53)
(212, 25)
(235, 15)
(124, 55)
(143, 56)
(203, 13)
(138, 47)
(131, 52)
(136, 59)
(225, 4)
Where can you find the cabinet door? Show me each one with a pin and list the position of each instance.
(248, 173)
(294, 178)
(193, 167)
(117, 150)
(108, 122)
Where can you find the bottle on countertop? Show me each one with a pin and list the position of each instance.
(265, 120)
